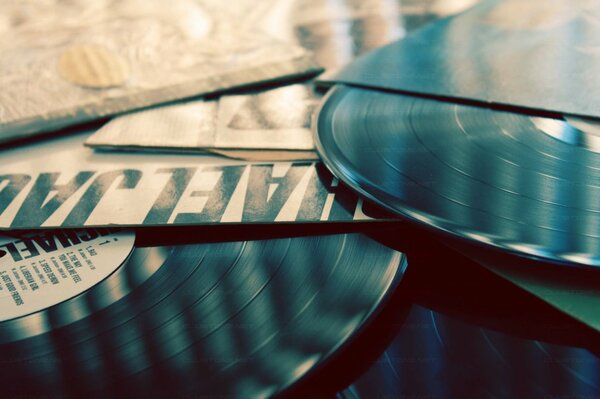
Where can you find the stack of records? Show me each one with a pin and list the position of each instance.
(300, 198)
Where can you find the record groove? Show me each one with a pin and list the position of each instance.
(526, 184)
(237, 318)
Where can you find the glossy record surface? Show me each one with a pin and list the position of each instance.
(529, 185)
(470, 334)
(439, 356)
(236, 318)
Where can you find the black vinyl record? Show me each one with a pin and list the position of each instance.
(525, 184)
(439, 356)
(238, 319)
(470, 334)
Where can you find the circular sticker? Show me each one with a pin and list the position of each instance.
(93, 66)
(41, 269)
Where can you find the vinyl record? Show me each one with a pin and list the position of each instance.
(471, 334)
(529, 185)
(236, 319)
(438, 356)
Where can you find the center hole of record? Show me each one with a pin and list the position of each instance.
(581, 132)
(2, 253)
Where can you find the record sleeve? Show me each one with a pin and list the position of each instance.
(574, 292)
(524, 53)
(265, 125)
(271, 124)
(69, 62)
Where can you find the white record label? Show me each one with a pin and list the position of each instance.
(42, 269)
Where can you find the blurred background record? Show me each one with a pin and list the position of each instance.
(68, 62)
(273, 123)
(469, 333)
(245, 319)
(524, 184)
(438, 356)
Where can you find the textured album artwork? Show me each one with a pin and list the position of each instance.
(271, 119)
(65, 62)
(542, 55)
(273, 124)
(267, 125)
(90, 188)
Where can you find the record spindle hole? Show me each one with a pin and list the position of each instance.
(2, 253)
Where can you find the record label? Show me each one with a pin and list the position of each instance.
(40, 270)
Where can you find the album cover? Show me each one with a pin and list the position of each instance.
(271, 124)
(60, 183)
(532, 54)
(67, 62)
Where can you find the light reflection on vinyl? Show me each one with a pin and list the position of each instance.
(236, 318)
(437, 356)
(470, 334)
(528, 185)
